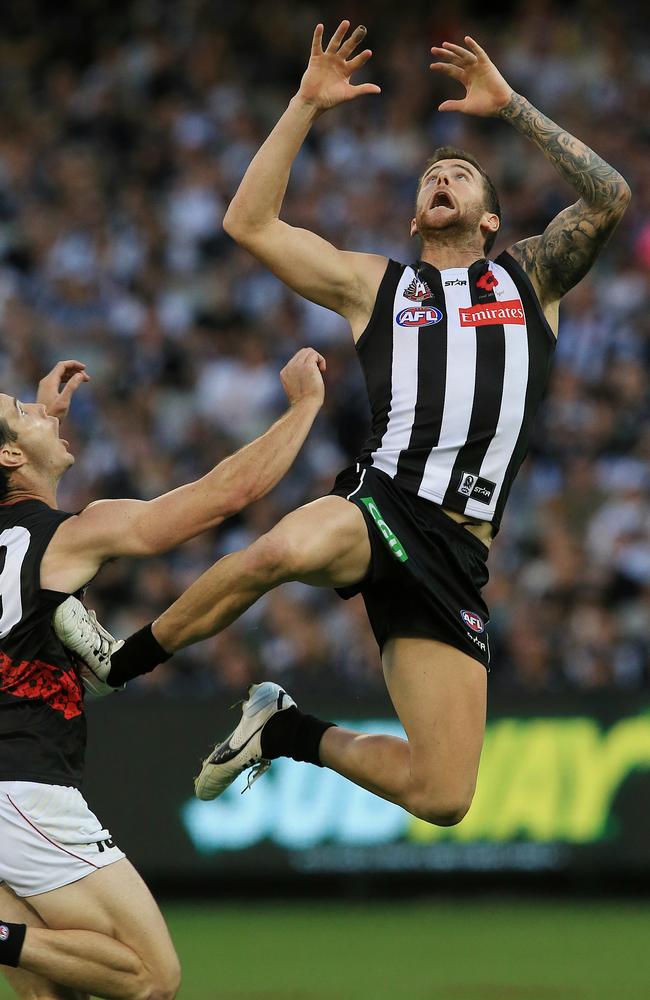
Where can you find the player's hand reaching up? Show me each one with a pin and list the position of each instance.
(326, 81)
(302, 377)
(486, 90)
(57, 388)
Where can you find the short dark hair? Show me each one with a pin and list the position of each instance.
(6, 436)
(491, 197)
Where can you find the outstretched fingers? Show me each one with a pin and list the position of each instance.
(476, 48)
(351, 43)
(359, 61)
(452, 106)
(445, 55)
(366, 88)
(337, 37)
(71, 387)
(450, 70)
(317, 40)
(463, 56)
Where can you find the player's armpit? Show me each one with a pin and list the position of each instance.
(564, 253)
(107, 529)
(340, 280)
(102, 531)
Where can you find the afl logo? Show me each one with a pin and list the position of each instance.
(473, 621)
(419, 317)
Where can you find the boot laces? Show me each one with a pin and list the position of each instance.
(255, 773)
(98, 635)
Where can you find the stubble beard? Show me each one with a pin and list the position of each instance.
(460, 234)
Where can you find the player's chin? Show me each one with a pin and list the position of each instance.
(438, 218)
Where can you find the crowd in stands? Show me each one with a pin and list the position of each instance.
(124, 131)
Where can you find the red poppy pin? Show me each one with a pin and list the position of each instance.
(488, 281)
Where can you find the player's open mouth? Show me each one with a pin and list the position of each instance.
(441, 199)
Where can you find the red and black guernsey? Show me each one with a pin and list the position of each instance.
(42, 722)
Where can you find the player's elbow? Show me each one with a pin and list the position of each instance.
(237, 224)
(231, 223)
(246, 230)
(622, 196)
(234, 500)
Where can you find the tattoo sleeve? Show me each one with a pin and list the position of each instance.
(564, 253)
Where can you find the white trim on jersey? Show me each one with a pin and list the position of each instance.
(404, 382)
(459, 389)
(363, 476)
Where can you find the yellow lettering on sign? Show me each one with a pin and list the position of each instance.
(548, 780)
(626, 748)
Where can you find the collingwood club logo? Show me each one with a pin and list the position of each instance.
(475, 487)
(466, 484)
(417, 291)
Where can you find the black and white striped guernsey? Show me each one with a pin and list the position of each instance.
(456, 363)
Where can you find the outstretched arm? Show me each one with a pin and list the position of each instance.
(344, 282)
(566, 250)
(110, 528)
(562, 255)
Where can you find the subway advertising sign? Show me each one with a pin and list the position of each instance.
(555, 792)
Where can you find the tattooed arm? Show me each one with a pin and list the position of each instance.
(562, 255)
(559, 258)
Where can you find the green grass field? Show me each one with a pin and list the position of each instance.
(490, 950)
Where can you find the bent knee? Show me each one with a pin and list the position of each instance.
(48, 992)
(155, 990)
(441, 810)
(283, 555)
(161, 983)
(274, 557)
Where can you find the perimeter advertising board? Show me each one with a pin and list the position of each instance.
(556, 792)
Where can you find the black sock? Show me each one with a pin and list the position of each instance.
(139, 655)
(12, 937)
(293, 734)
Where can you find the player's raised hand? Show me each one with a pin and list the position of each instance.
(486, 90)
(326, 81)
(57, 388)
(302, 377)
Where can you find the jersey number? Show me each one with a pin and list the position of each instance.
(14, 542)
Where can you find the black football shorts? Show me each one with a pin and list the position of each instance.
(426, 572)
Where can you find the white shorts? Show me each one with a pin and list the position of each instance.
(49, 837)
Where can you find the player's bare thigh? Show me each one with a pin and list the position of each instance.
(26, 985)
(440, 696)
(115, 901)
(326, 543)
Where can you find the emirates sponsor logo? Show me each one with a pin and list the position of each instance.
(491, 313)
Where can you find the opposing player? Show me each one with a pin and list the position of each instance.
(75, 917)
(456, 351)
